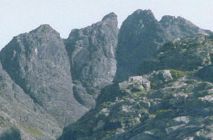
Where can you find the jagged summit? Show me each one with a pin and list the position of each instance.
(110, 16)
(37, 61)
(45, 30)
(44, 27)
(179, 27)
(139, 38)
(92, 56)
(110, 20)
(143, 16)
(167, 19)
(143, 12)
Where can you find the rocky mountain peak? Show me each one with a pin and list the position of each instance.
(139, 38)
(168, 20)
(33, 60)
(45, 29)
(110, 20)
(144, 15)
(143, 12)
(179, 27)
(110, 16)
(92, 57)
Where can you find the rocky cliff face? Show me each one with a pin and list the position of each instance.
(92, 56)
(171, 101)
(39, 64)
(141, 36)
(20, 117)
(177, 27)
(149, 80)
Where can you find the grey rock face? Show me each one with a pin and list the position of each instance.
(206, 73)
(92, 56)
(11, 134)
(179, 27)
(20, 117)
(189, 53)
(141, 36)
(38, 62)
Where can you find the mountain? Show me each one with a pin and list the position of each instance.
(161, 88)
(148, 80)
(92, 56)
(173, 102)
(141, 36)
(60, 78)
(39, 64)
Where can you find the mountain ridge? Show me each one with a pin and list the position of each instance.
(75, 88)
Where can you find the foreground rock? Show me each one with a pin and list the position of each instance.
(179, 109)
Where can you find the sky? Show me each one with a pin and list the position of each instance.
(20, 16)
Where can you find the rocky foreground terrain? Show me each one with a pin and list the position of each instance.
(148, 80)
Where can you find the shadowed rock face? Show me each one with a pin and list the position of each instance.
(17, 110)
(141, 36)
(38, 62)
(11, 134)
(92, 56)
(206, 73)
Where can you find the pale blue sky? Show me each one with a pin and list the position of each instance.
(19, 16)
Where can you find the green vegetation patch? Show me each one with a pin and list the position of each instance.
(35, 132)
(176, 74)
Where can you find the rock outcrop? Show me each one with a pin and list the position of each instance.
(39, 64)
(141, 36)
(188, 54)
(92, 56)
(180, 108)
(20, 117)
(177, 27)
